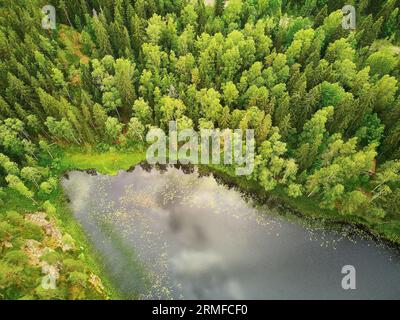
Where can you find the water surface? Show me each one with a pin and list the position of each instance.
(173, 234)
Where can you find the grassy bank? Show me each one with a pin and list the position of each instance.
(110, 162)
(67, 224)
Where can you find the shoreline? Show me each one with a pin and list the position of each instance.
(261, 196)
(272, 198)
(291, 210)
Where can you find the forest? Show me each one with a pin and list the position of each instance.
(323, 100)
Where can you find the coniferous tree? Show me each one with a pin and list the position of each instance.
(102, 38)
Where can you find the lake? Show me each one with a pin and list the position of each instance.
(175, 234)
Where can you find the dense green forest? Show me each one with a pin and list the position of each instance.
(324, 102)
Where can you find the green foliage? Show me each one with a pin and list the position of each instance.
(142, 111)
(135, 132)
(16, 184)
(113, 129)
(381, 63)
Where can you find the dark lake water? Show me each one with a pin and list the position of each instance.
(170, 234)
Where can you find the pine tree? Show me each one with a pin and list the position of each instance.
(124, 81)
(102, 38)
(219, 7)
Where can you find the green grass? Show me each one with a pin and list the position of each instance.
(109, 162)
